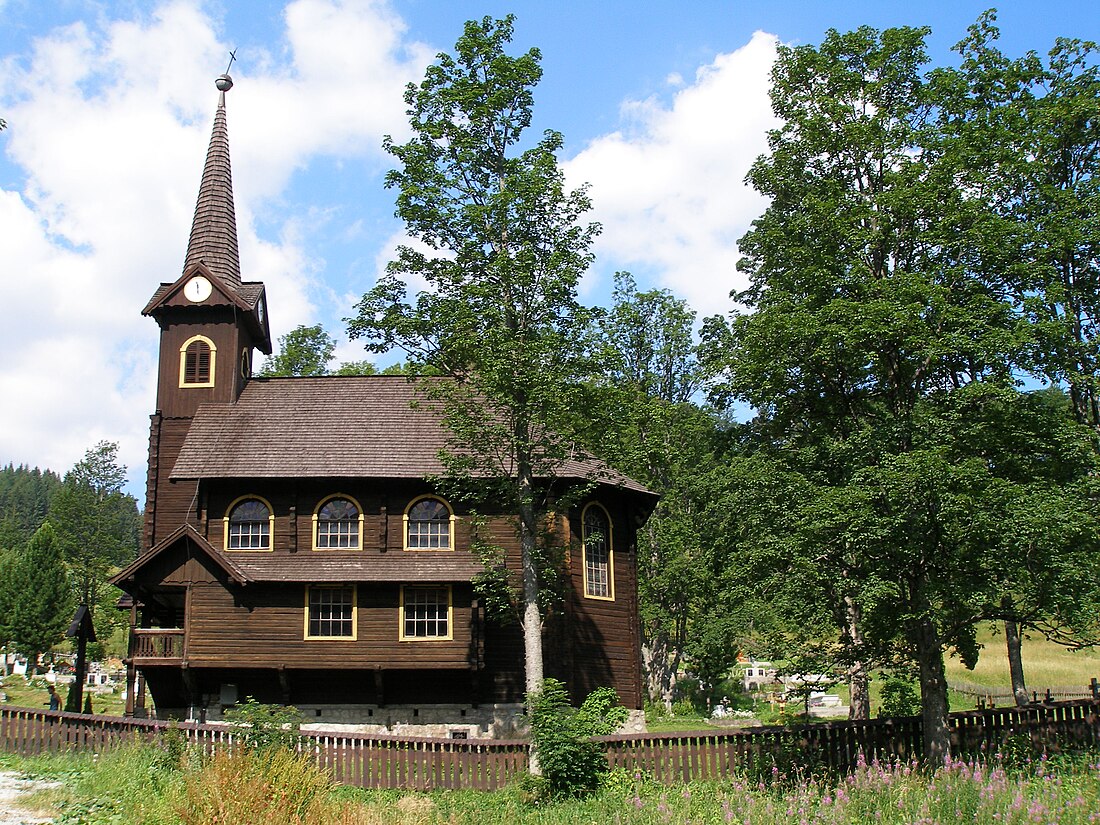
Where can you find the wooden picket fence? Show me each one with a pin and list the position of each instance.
(683, 757)
(994, 696)
(383, 761)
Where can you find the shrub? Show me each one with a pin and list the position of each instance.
(259, 726)
(571, 763)
(899, 697)
(173, 747)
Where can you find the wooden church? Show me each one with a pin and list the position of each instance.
(295, 553)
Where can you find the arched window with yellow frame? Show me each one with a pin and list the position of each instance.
(338, 524)
(597, 555)
(429, 524)
(249, 524)
(198, 358)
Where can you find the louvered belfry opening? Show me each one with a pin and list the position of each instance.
(196, 364)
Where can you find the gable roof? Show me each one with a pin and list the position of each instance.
(333, 427)
(188, 535)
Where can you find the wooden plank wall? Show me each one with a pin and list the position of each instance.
(262, 626)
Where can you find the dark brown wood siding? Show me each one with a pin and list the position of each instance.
(167, 504)
(603, 634)
(225, 330)
(294, 503)
(263, 626)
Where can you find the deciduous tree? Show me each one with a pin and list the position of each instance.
(871, 307)
(642, 416)
(98, 529)
(501, 249)
(302, 351)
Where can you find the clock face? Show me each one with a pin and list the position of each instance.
(198, 289)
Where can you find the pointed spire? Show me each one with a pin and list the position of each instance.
(214, 231)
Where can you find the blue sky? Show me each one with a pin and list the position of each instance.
(109, 106)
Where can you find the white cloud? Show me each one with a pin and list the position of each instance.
(669, 187)
(109, 122)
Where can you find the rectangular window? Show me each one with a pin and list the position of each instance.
(429, 535)
(597, 568)
(426, 613)
(249, 535)
(338, 535)
(330, 612)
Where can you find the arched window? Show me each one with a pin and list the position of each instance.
(429, 525)
(599, 564)
(198, 356)
(338, 525)
(249, 525)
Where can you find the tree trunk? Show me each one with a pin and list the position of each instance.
(1015, 662)
(660, 669)
(859, 705)
(532, 616)
(933, 694)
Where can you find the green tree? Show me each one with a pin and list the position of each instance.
(1026, 135)
(501, 251)
(98, 525)
(875, 303)
(641, 414)
(35, 597)
(99, 529)
(25, 496)
(302, 351)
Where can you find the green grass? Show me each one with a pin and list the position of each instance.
(141, 786)
(1045, 664)
(32, 694)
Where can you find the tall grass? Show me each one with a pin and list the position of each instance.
(153, 785)
(140, 786)
(1046, 664)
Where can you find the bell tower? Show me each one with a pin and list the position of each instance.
(210, 324)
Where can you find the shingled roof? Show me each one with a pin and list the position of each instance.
(327, 566)
(213, 240)
(332, 427)
(322, 566)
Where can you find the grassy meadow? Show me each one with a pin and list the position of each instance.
(32, 694)
(1045, 664)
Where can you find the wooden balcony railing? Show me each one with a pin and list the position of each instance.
(156, 645)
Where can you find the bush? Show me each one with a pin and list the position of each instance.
(571, 763)
(899, 697)
(259, 726)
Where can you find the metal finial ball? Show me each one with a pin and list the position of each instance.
(224, 83)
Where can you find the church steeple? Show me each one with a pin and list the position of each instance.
(213, 241)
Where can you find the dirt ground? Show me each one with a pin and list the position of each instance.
(12, 787)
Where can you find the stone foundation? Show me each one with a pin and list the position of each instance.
(503, 721)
